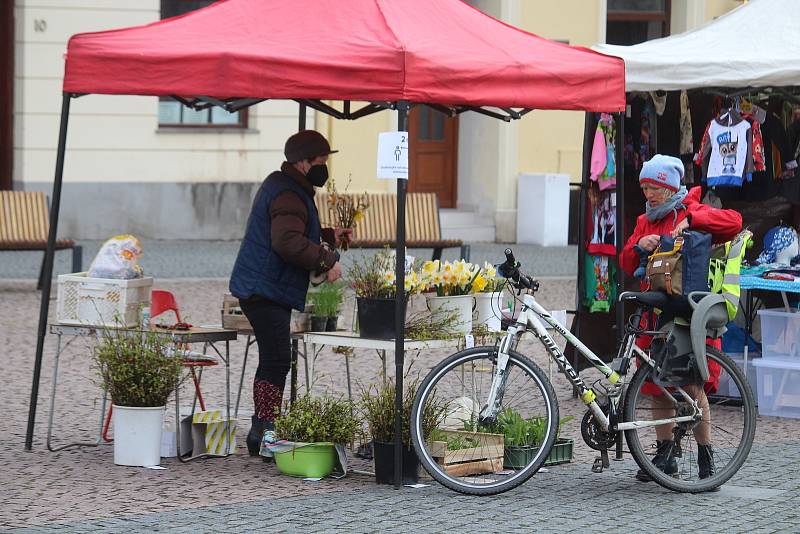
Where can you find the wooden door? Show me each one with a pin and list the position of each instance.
(433, 154)
(6, 93)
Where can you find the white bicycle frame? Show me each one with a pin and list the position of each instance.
(527, 322)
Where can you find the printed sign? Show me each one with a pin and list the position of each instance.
(393, 155)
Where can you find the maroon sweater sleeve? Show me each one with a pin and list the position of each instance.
(288, 219)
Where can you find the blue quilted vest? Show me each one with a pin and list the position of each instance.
(258, 269)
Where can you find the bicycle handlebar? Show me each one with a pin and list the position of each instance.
(510, 270)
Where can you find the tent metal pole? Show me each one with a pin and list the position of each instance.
(588, 138)
(301, 123)
(400, 307)
(55, 204)
(620, 228)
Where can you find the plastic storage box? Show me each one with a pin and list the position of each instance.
(778, 387)
(101, 301)
(726, 386)
(780, 334)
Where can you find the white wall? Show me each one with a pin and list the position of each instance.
(116, 139)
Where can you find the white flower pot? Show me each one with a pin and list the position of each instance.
(462, 305)
(487, 312)
(137, 435)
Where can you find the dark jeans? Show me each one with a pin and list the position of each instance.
(270, 322)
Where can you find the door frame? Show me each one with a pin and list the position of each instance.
(7, 89)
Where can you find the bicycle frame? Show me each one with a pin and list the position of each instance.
(527, 322)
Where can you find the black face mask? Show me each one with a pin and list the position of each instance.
(317, 175)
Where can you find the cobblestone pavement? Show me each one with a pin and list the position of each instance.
(81, 490)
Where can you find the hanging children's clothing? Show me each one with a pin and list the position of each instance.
(604, 167)
(686, 145)
(728, 151)
(600, 289)
(603, 226)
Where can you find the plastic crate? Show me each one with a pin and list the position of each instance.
(726, 386)
(101, 301)
(780, 334)
(778, 387)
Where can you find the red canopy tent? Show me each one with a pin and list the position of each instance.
(393, 55)
(433, 51)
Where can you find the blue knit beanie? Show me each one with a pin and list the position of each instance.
(665, 171)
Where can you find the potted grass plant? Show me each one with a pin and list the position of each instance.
(377, 406)
(139, 371)
(523, 437)
(326, 300)
(313, 426)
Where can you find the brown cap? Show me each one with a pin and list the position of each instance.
(306, 144)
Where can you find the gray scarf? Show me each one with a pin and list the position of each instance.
(671, 205)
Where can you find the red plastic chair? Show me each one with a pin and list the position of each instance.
(162, 301)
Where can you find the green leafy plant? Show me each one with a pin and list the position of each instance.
(317, 420)
(137, 369)
(327, 299)
(377, 405)
(455, 442)
(521, 432)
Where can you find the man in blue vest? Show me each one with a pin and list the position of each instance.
(283, 244)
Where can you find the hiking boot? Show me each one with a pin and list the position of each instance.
(705, 461)
(664, 460)
(256, 434)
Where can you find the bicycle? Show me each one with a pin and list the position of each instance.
(475, 397)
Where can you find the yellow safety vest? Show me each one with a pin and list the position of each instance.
(723, 271)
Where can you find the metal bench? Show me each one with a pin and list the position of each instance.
(24, 226)
(378, 228)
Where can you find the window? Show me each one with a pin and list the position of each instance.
(172, 113)
(631, 22)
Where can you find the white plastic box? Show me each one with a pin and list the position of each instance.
(780, 334)
(726, 386)
(101, 301)
(543, 209)
(778, 387)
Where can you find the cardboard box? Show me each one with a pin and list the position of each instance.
(207, 433)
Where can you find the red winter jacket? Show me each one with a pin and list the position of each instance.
(723, 225)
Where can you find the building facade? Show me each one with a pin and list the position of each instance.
(150, 167)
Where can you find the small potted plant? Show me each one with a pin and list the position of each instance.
(326, 299)
(377, 405)
(451, 287)
(139, 371)
(486, 288)
(372, 278)
(523, 437)
(314, 426)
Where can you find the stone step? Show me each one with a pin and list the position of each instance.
(466, 225)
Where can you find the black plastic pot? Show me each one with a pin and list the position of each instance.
(330, 325)
(319, 323)
(384, 464)
(376, 318)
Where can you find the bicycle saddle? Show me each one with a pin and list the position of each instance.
(650, 299)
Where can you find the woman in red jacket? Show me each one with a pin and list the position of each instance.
(670, 210)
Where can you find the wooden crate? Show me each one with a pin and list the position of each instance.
(233, 318)
(486, 458)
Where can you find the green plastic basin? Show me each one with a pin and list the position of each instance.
(311, 461)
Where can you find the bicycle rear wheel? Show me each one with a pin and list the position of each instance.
(728, 427)
(475, 457)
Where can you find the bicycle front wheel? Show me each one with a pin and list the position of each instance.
(700, 455)
(483, 456)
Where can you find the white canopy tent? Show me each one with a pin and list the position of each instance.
(754, 45)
